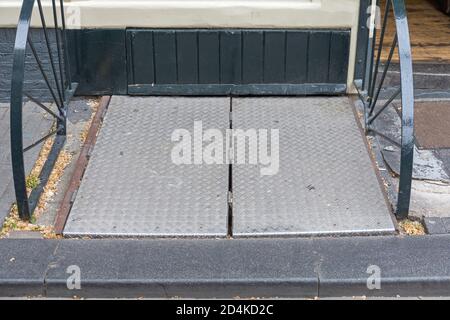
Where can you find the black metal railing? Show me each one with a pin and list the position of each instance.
(374, 83)
(60, 87)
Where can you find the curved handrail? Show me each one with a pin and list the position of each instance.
(406, 90)
(26, 206)
(407, 87)
(17, 80)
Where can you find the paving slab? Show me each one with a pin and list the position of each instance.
(326, 183)
(426, 165)
(446, 222)
(444, 156)
(430, 185)
(436, 225)
(431, 124)
(78, 116)
(36, 123)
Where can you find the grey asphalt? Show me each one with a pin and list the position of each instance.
(297, 268)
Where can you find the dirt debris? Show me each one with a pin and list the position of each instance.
(94, 104)
(411, 227)
(13, 222)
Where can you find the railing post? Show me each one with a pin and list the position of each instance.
(25, 203)
(16, 110)
(406, 90)
(407, 114)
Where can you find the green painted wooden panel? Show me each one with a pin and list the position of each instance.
(220, 58)
(189, 61)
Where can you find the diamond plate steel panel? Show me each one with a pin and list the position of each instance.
(326, 183)
(132, 188)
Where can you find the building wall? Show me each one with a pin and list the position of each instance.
(178, 14)
(34, 81)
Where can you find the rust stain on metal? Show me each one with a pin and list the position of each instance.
(82, 161)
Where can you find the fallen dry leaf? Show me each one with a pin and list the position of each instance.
(411, 227)
(13, 222)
